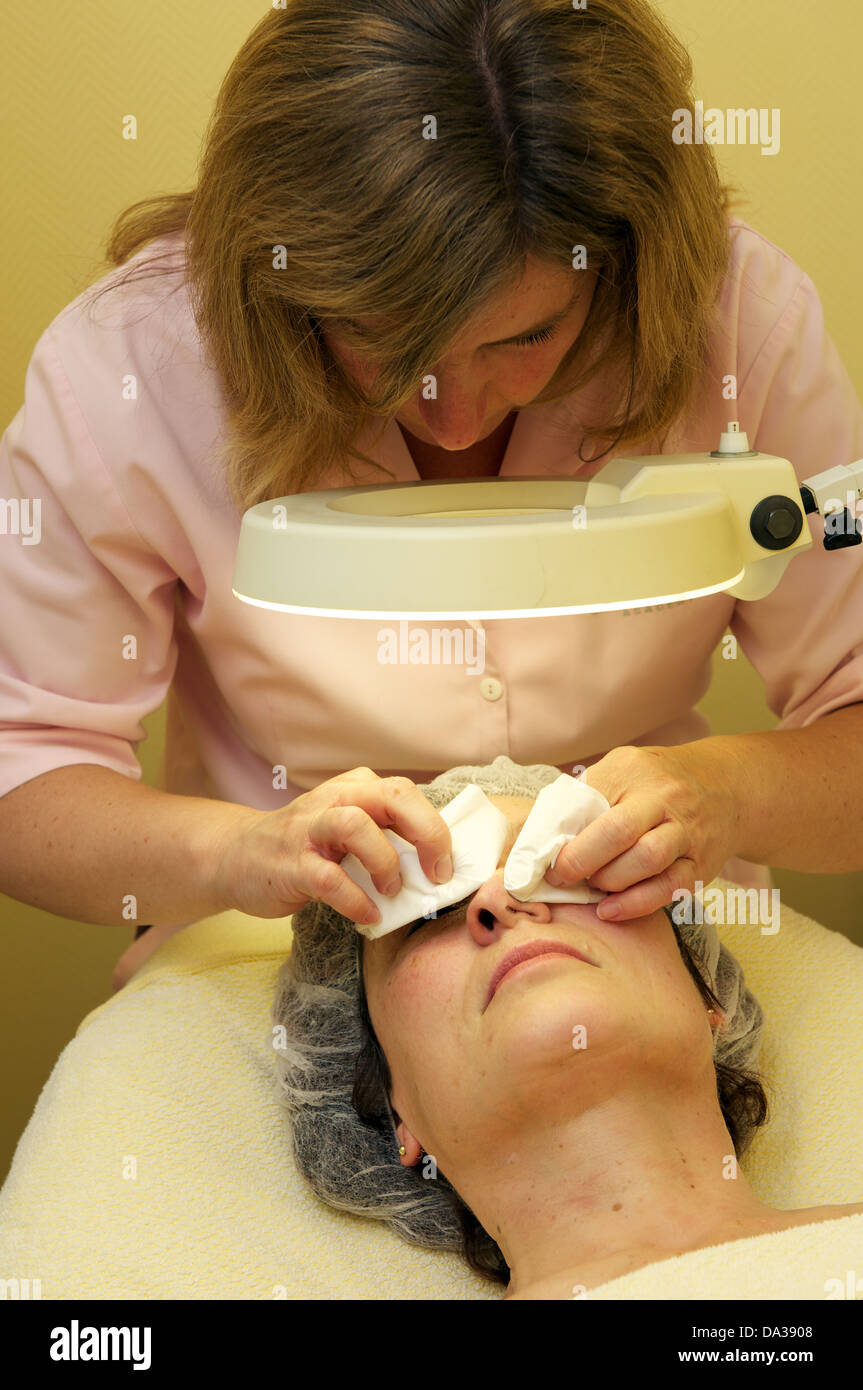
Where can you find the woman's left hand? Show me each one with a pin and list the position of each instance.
(673, 819)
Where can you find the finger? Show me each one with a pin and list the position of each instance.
(610, 835)
(396, 803)
(644, 898)
(653, 853)
(323, 880)
(339, 791)
(356, 774)
(341, 830)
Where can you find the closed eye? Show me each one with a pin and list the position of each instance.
(541, 337)
(449, 913)
(361, 335)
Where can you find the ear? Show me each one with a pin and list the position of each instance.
(413, 1148)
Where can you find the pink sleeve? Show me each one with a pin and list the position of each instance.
(86, 621)
(797, 401)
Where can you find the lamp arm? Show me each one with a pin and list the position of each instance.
(823, 493)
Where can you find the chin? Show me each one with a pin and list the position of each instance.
(538, 1022)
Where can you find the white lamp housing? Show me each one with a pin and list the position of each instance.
(643, 531)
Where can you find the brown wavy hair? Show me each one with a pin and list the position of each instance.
(318, 196)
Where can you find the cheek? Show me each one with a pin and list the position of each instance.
(418, 1002)
(673, 987)
(650, 961)
(361, 372)
(536, 367)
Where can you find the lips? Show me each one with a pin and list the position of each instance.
(527, 952)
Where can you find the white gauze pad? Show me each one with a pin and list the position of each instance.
(560, 811)
(478, 831)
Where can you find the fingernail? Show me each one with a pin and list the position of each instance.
(393, 887)
(607, 911)
(443, 869)
(556, 872)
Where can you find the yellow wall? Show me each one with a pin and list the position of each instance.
(79, 69)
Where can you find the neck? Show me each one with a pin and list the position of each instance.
(635, 1179)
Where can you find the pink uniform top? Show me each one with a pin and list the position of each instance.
(125, 594)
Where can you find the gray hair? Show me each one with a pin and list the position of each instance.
(352, 1163)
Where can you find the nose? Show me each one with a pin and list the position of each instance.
(493, 909)
(456, 418)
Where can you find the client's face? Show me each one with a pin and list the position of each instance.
(474, 1055)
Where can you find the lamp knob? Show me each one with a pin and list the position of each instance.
(842, 529)
(733, 442)
(776, 522)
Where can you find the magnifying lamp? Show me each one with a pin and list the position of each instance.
(642, 531)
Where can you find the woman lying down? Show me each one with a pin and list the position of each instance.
(559, 1125)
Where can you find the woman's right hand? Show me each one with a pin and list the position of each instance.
(273, 862)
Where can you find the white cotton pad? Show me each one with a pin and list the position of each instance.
(478, 831)
(560, 811)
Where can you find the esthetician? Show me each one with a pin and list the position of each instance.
(440, 242)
